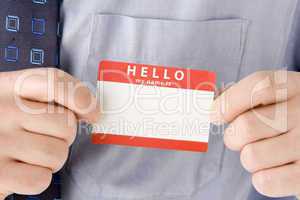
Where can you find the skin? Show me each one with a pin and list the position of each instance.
(34, 146)
(269, 149)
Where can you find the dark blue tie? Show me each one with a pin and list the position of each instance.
(28, 39)
(28, 34)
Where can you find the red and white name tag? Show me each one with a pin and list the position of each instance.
(154, 106)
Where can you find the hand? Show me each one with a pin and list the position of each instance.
(263, 113)
(39, 110)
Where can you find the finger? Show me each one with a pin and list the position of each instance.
(49, 119)
(35, 149)
(261, 88)
(3, 196)
(271, 152)
(278, 182)
(52, 85)
(3, 192)
(262, 122)
(23, 178)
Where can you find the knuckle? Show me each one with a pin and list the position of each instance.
(39, 184)
(56, 154)
(248, 158)
(57, 71)
(262, 183)
(270, 86)
(71, 127)
(266, 80)
(244, 124)
(4, 166)
(239, 132)
(3, 195)
(68, 127)
(231, 138)
(60, 75)
(3, 75)
(5, 141)
(294, 109)
(293, 141)
(260, 75)
(61, 157)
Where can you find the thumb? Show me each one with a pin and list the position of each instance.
(55, 86)
(218, 105)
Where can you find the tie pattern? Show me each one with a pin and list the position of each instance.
(29, 32)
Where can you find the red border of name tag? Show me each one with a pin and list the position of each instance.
(102, 138)
(157, 76)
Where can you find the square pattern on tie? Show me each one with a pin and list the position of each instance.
(29, 34)
(37, 56)
(11, 54)
(38, 26)
(39, 1)
(12, 23)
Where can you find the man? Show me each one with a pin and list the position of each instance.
(239, 40)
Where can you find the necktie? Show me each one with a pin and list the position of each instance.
(28, 39)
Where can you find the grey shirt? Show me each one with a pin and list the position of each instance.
(231, 37)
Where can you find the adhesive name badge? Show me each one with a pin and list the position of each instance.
(154, 106)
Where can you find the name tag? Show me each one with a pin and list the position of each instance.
(154, 106)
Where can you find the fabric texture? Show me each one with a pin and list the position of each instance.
(28, 39)
(28, 34)
(103, 173)
(152, 32)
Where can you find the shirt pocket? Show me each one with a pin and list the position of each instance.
(215, 45)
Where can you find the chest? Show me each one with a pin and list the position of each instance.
(231, 37)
